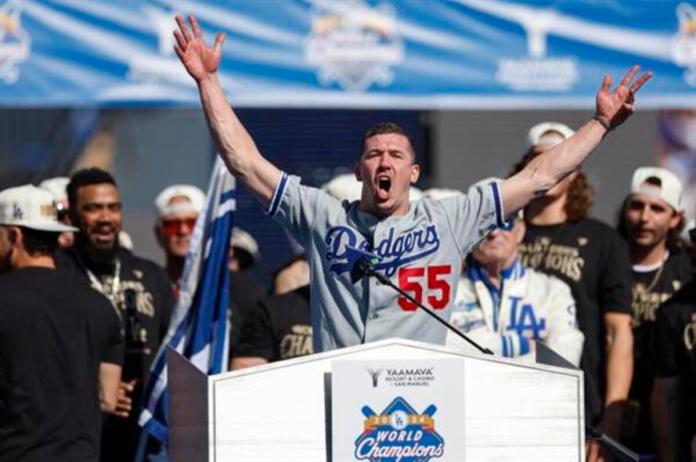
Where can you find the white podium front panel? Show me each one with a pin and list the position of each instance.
(398, 410)
(274, 416)
(282, 411)
(539, 414)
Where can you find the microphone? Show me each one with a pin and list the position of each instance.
(361, 264)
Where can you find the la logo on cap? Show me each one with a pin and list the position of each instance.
(30, 207)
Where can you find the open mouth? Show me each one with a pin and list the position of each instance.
(383, 187)
(104, 236)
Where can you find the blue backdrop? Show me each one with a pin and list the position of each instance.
(421, 54)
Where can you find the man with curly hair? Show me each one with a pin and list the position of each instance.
(593, 259)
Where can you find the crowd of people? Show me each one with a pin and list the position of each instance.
(513, 263)
(619, 303)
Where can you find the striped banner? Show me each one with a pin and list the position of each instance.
(199, 329)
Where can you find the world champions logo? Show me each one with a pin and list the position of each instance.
(399, 434)
(354, 44)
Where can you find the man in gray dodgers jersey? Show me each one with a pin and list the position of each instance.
(420, 244)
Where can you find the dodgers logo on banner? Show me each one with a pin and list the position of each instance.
(353, 44)
(399, 434)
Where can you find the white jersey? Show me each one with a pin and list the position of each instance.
(420, 251)
(530, 306)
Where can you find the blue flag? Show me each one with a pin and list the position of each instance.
(199, 328)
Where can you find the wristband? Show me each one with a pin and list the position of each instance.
(602, 121)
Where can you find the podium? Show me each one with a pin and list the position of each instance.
(389, 400)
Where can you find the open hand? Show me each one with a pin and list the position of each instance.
(614, 107)
(199, 59)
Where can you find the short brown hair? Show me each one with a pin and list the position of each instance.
(580, 196)
(384, 128)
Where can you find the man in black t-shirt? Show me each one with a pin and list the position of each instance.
(60, 342)
(245, 290)
(279, 327)
(650, 220)
(674, 388)
(138, 289)
(594, 261)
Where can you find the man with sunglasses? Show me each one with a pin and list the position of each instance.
(508, 307)
(138, 289)
(178, 207)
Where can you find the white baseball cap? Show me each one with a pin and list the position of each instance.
(344, 187)
(244, 241)
(57, 186)
(195, 196)
(125, 241)
(658, 182)
(30, 207)
(537, 133)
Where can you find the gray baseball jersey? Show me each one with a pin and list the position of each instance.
(420, 251)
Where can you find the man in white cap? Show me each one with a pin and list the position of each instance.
(178, 207)
(651, 221)
(60, 342)
(563, 241)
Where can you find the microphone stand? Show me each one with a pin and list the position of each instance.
(367, 269)
(619, 451)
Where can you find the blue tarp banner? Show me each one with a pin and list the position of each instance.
(425, 54)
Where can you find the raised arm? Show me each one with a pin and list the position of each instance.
(234, 143)
(550, 167)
